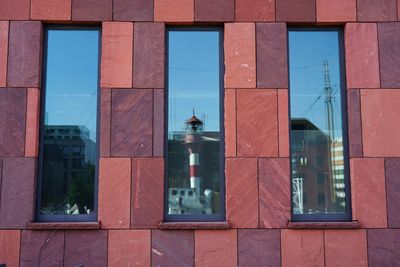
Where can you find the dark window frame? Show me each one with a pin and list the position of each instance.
(347, 215)
(196, 217)
(64, 217)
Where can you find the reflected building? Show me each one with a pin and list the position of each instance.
(69, 167)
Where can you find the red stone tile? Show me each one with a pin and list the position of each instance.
(172, 248)
(354, 123)
(32, 123)
(51, 9)
(388, 36)
(17, 192)
(114, 176)
(3, 52)
(274, 176)
(242, 192)
(392, 171)
(158, 123)
(259, 247)
(240, 55)
(147, 176)
(230, 123)
(9, 247)
(105, 122)
(14, 10)
(42, 248)
(295, 10)
(346, 248)
(383, 247)
(24, 48)
(257, 118)
(362, 64)
(216, 248)
(88, 248)
(92, 10)
(116, 58)
(376, 10)
(283, 121)
(148, 58)
(367, 183)
(174, 10)
(272, 55)
(302, 248)
(258, 10)
(129, 248)
(380, 122)
(336, 10)
(12, 121)
(133, 10)
(214, 10)
(132, 123)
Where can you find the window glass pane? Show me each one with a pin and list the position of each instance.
(69, 146)
(317, 149)
(194, 137)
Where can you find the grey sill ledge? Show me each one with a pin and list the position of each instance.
(64, 225)
(194, 225)
(324, 225)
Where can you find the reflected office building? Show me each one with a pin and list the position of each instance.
(317, 169)
(69, 170)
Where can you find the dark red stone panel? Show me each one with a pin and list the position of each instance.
(105, 122)
(259, 247)
(271, 55)
(148, 55)
(214, 10)
(17, 192)
(9, 247)
(158, 123)
(273, 177)
(87, 248)
(172, 248)
(258, 10)
(133, 10)
(14, 10)
(354, 121)
(24, 54)
(376, 10)
(92, 10)
(132, 123)
(147, 192)
(389, 54)
(392, 170)
(295, 10)
(12, 121)
(42, 248)
(383, 247)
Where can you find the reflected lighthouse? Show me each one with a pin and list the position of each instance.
(193, 142)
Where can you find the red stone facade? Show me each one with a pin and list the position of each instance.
(131, 179)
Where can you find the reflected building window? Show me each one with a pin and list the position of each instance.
(318, 128)
(194, 160)
(68, 157)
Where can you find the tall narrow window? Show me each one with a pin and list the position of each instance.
(195, 170)
(68, 140)
(318, 126)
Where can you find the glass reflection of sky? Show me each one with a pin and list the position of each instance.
(193, 78)
(72, 78)
(307, 50)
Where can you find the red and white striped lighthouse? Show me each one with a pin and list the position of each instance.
(193, 141)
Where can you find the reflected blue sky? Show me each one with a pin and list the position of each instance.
(193, 78)
(307, 50)
(72, 78)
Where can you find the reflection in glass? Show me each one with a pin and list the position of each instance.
(194, 139)
(69, 147)
(317, 149)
